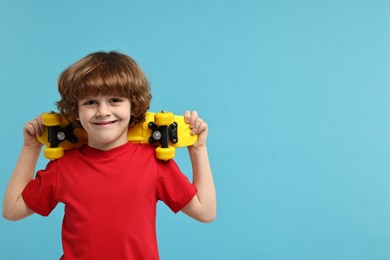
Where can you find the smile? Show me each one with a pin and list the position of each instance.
(107, 123)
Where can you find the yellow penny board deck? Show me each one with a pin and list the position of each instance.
(164, 130)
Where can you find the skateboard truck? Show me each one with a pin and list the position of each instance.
(164, 130)
(58, 134)
(163, 134)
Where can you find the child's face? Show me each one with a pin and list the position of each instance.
(106, 120)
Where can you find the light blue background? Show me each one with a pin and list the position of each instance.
(296, 94)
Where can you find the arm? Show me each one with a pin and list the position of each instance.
(14, 207)
(203, 206)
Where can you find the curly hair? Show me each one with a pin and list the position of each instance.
(108, 74)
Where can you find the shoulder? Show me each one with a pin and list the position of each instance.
(145, 151)
(69, 153)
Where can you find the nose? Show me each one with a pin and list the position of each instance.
(103, 110)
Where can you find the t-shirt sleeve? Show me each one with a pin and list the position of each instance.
(173, 187)
(39, 194)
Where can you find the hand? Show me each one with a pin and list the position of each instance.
(198, 127)
(31, 130)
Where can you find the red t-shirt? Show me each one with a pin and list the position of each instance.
(110, 200)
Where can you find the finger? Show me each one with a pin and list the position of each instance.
(30, 128)
(193, 118)
(42, 127)
(200, 126)
(198, 123)
(203, 126)
(35, 127)
(187, 116)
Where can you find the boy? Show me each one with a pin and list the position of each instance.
(109, 187)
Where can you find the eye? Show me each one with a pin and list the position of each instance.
(116, 100)
(89, 102)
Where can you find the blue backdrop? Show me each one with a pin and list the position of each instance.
(296, 94)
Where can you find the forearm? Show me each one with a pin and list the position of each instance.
(203, 181)
(14, 207)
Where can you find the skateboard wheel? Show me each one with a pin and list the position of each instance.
(165, 153)
(53, 153)
(51, 119)
(163, 118)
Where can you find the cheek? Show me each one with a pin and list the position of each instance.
(82, 118)
(81, 122)
(127, 117)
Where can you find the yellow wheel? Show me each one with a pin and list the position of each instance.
(53, 153)
(165, 153)
(51, 119)
(163, 118)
